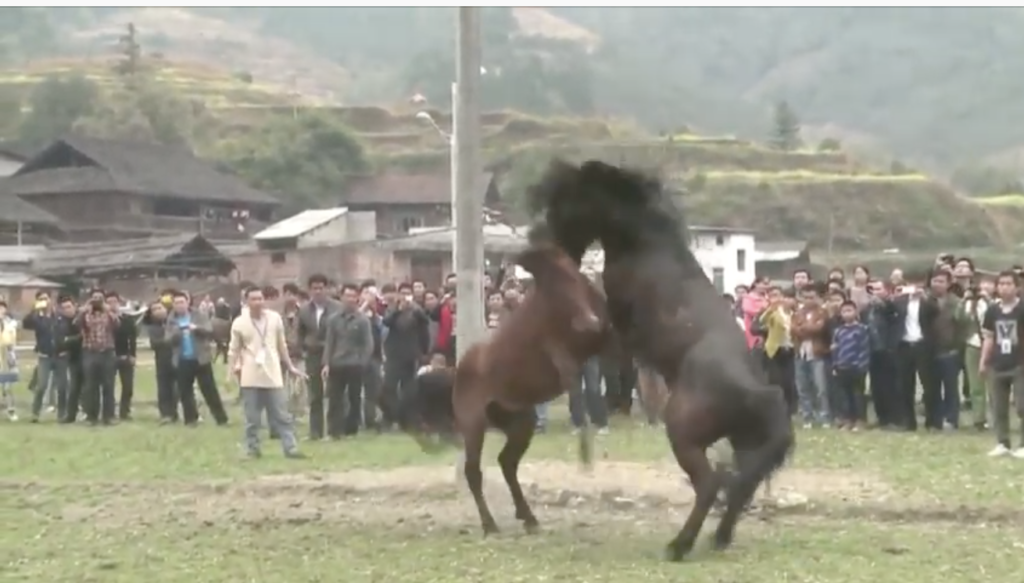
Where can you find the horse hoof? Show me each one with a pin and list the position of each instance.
(677, 551)
(721, 541)
(490, 529)
(531, 527)
(673, 554)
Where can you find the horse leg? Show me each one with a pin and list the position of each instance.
(473, 443)
(519, 433)
(706, 482)
(755, 466)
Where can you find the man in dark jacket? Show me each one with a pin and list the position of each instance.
(43, 320)
(879, 315)
(408, 338)
(71, 344)
(126, 337)
(167, 400)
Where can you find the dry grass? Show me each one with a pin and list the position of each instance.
(809, 176)
(1010, 200)
(172, 505)
(215, 88)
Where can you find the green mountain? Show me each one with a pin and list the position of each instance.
(932, 85)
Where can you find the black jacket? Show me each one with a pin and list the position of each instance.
(126, 337)
(43, 324)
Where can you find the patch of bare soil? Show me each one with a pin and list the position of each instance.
(560, 493)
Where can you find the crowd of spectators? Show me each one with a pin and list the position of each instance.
(837, 346)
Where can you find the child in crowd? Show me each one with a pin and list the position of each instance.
(851, 354)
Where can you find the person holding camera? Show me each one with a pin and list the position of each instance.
(98, 324)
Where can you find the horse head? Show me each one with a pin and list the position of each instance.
(558, 277)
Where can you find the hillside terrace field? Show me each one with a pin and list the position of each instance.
(824, 197)
(213, 87)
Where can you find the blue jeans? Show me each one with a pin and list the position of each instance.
(812, 389)
(275, 402)
(585, 398)
(542, 415)
(52, 377)
(947, 397)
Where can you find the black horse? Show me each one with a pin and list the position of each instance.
(674, 321)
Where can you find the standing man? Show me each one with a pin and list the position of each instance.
(191, 333)
(72, 344)
(98, 325)
(256, 352)
(407, 342)
(43, 320)
(1000, 362)
(126, 337)
(313, 318)
(163, 356)
(348, 347)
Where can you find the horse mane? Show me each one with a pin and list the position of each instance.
(560, 198)
(643, 210)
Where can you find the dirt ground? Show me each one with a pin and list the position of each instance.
(561, 494)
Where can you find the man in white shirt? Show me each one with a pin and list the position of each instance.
(257, 351)
(913, 357)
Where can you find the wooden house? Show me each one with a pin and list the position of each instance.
(106, 190)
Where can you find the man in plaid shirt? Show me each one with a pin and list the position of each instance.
(98, 323)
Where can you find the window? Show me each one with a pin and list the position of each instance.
(718, 279)
(741, 260)
(720, 240)
(278, 257)
(409, 223)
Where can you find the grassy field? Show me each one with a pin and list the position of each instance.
(140, 502)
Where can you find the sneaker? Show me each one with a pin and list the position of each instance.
(575, 431)
(603, 431)
(51, 409)
(12, 415)
(1018, 453)
(999, 451)
(808, 426)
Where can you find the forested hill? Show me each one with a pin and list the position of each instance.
(928, 84)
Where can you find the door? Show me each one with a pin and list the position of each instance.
(718, 278)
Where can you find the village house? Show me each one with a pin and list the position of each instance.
(136, 268)
(409, 201)
(310, 242)
(105, 190)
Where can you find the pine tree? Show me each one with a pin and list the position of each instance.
(786, 133)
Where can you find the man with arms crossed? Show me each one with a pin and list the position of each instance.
(256, 352)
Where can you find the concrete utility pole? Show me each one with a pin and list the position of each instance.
(469, 247)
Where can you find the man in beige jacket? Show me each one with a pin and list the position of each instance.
(257, 351)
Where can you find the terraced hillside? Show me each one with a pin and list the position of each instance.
(824, 197)
(216, 88)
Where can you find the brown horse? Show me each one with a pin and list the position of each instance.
(535, 355)
(673, 320)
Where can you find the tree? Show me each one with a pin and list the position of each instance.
(141, 107)
(147, 111)
(55, 105)
(306, 160)
(786, 133)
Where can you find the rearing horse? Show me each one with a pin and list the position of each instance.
(535, 355)
(673, 320)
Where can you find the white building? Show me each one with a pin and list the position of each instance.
(10, 162)
(318, 228)
(727, 256)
